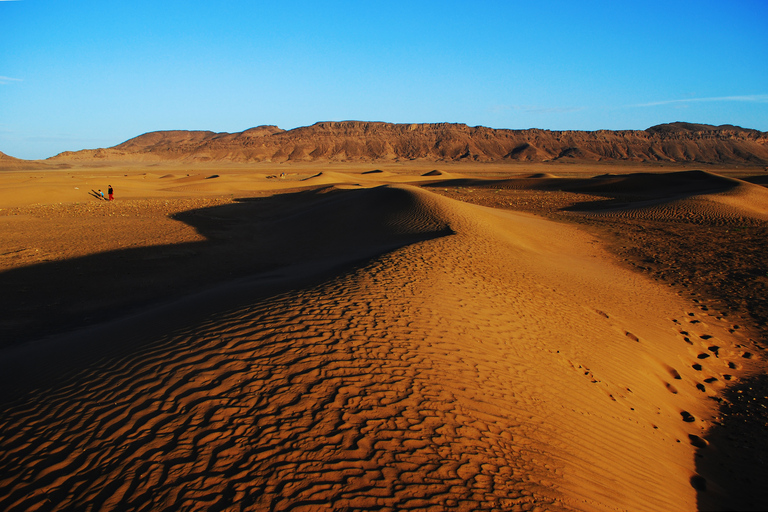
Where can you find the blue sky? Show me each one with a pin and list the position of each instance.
(78, 74)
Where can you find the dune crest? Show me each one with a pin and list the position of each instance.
(470, 358)
(690, 196)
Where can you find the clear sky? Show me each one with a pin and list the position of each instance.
(78, 74)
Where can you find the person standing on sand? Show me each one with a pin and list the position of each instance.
(110, 192)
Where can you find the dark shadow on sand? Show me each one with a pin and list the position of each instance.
(732, 462)
(618, 190)
(647, 189)
(758, 180)
(252, 247)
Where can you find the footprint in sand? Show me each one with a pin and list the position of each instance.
(632, 336)
(697, 441)
(699, 483)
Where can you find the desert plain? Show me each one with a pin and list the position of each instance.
(399, 336)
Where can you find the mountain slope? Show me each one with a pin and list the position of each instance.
(376, 141)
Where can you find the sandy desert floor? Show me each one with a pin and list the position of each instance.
(397, 338)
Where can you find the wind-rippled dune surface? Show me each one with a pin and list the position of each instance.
(692, 196)
(500, 361)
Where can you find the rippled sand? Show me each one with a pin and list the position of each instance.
(389, 349)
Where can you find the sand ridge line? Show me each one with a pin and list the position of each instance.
(686, 196)
(221, 241)
(692, 196)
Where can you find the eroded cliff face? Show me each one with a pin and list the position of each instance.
(376, 141)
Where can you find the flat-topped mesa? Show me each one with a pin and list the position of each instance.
(363, 141)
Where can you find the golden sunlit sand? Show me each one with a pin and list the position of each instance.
(350, 338)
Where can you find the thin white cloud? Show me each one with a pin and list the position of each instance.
(6, 79)
(754, 98)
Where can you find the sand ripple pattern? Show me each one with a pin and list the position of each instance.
(472, 371)
(742, 204)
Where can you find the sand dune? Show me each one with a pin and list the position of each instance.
(434, 354)
(693, 196)
(689, 196)
(744, 206)
(334, 178)
(685, 182)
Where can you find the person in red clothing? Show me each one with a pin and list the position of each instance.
(110, 193)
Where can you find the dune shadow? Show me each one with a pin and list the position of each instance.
(543, 183)
(617, 190)
(288, 237)
(646, 189)
(757, 180)
(732, 461)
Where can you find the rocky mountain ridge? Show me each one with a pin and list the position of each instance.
(357, 141)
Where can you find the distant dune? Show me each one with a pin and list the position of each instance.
(692, 196)
(355, 141)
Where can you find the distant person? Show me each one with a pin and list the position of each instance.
(110, 193)
(101, 194)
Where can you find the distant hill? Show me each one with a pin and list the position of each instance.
(374, 141)
(6, 158)
(8, 162)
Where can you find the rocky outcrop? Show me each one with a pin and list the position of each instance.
(375, 141)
